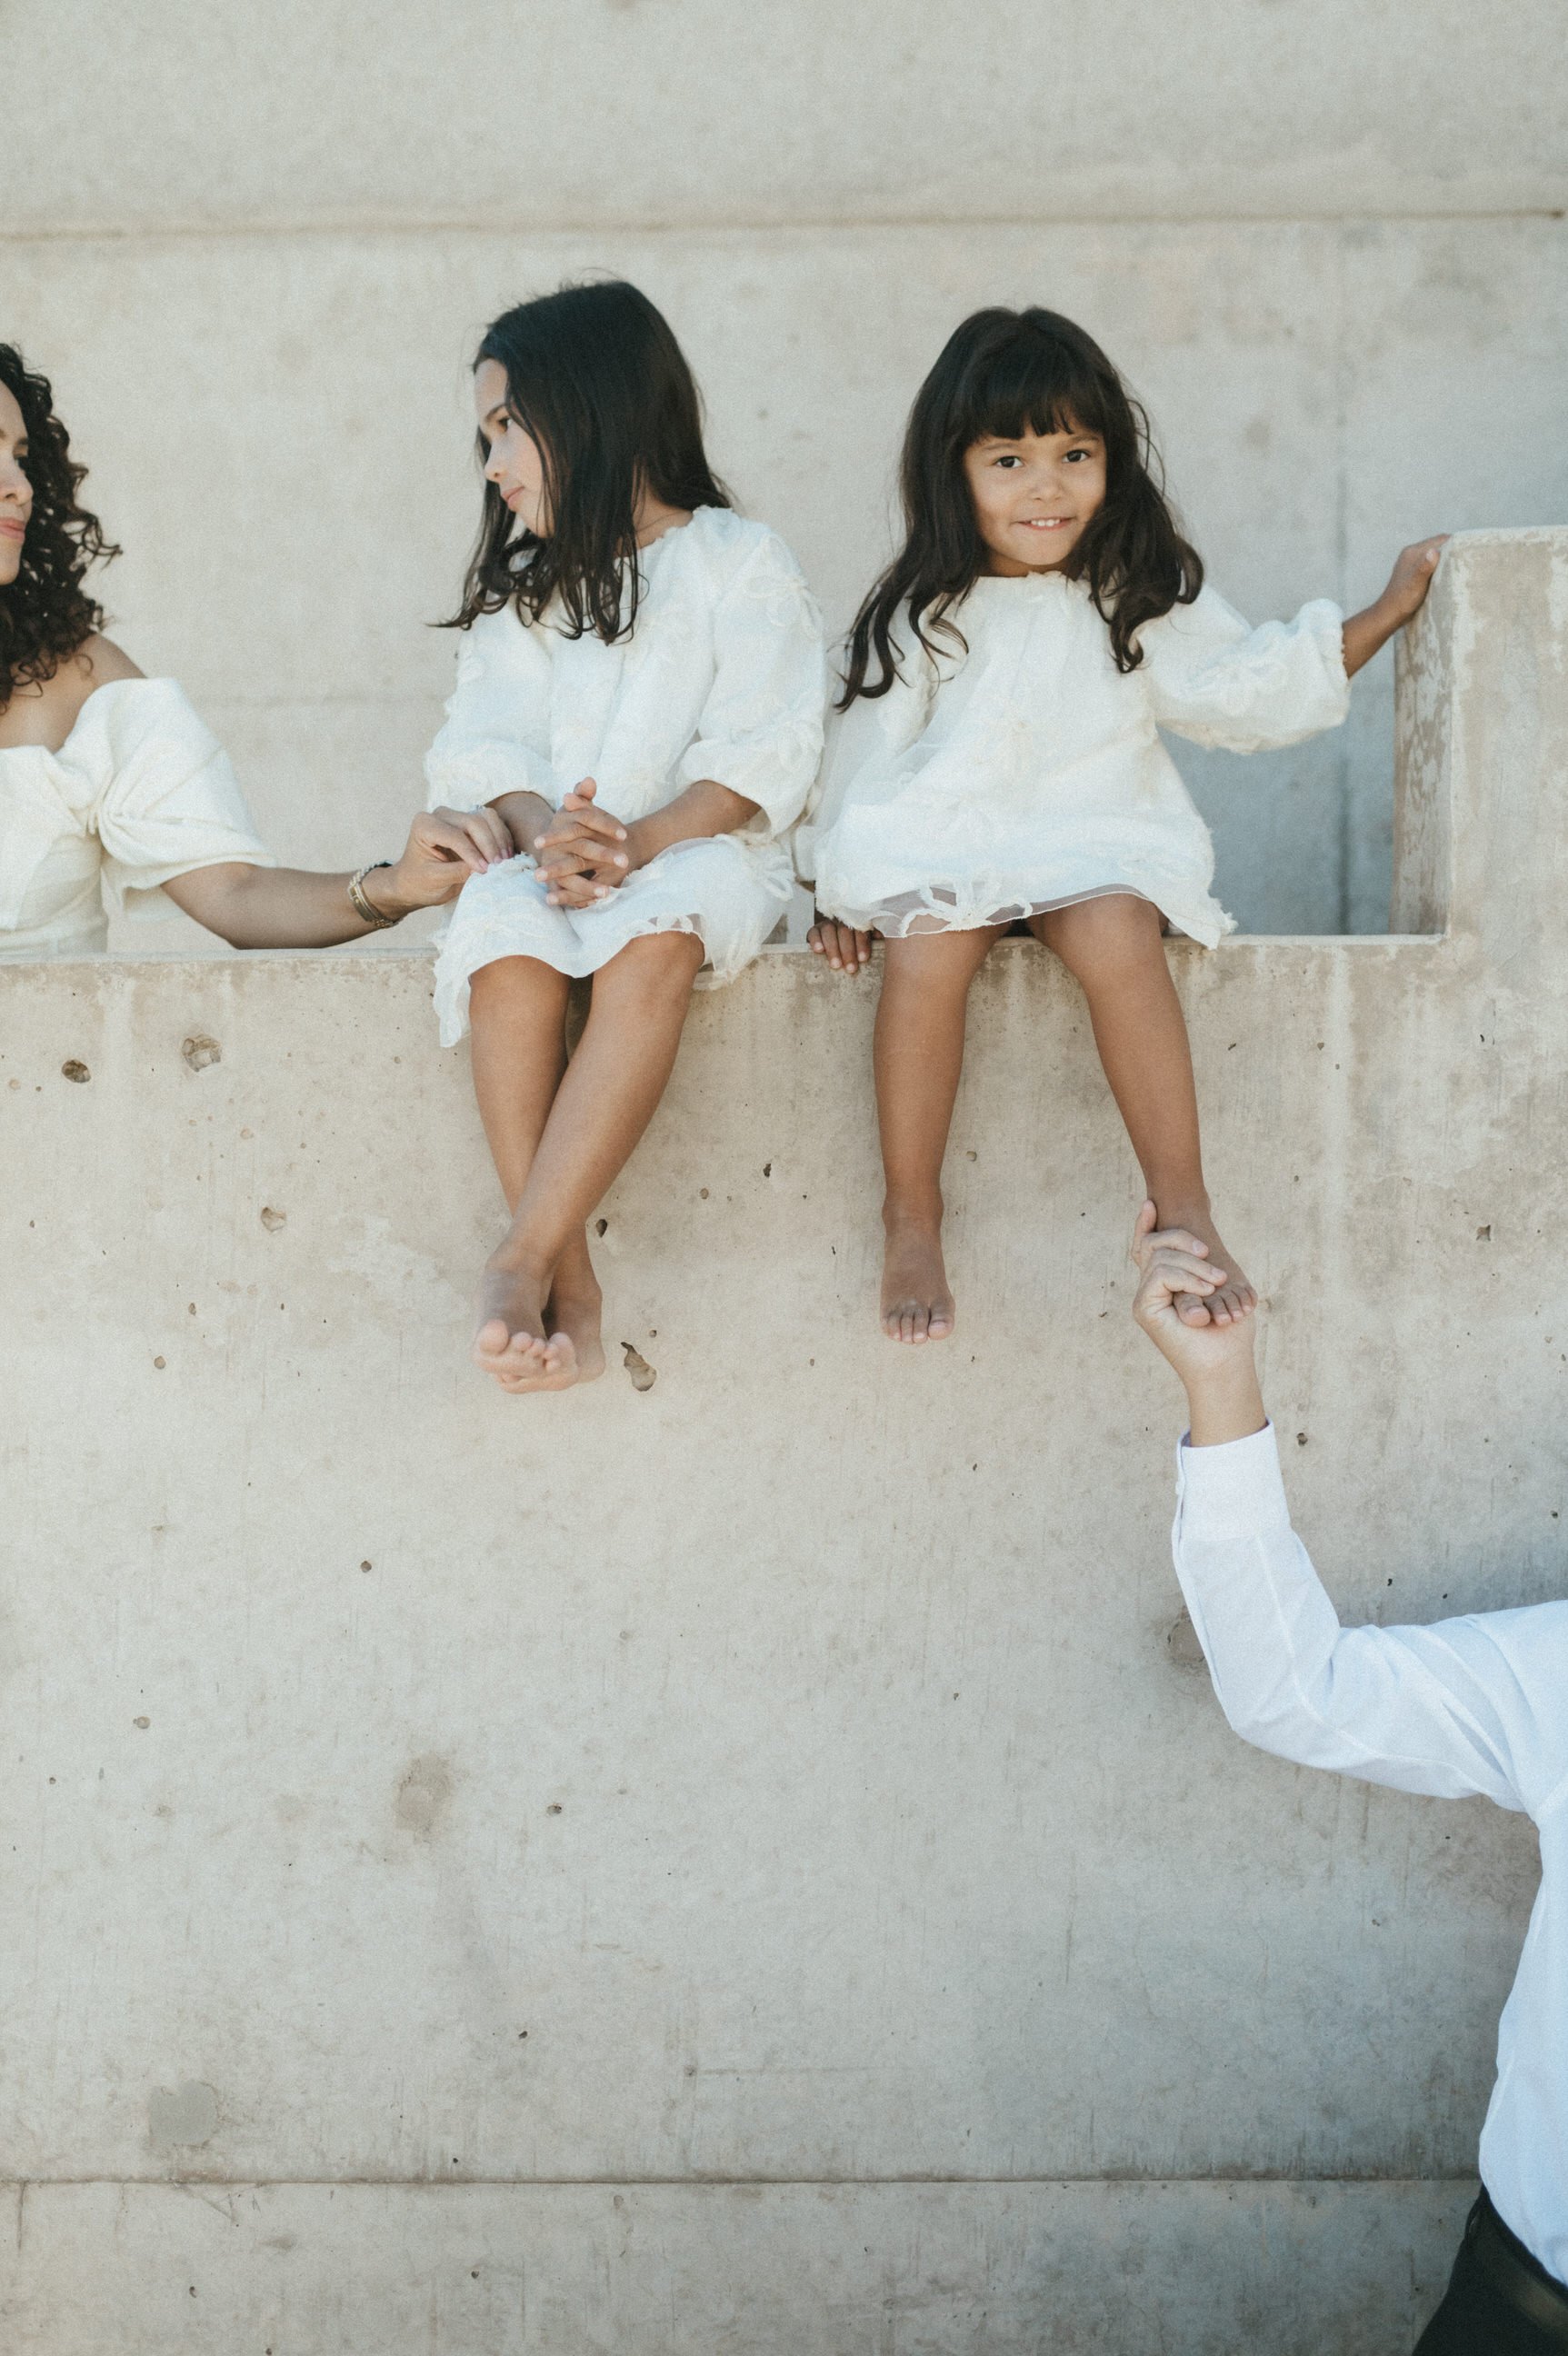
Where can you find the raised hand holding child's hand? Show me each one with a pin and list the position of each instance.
(581, 854)
(1215, 1362)
(846, 950)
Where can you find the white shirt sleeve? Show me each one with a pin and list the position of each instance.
(1217, 682)
(1476, 1705)
(496, 739)
(761, 730)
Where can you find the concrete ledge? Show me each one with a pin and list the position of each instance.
(1117, 2269)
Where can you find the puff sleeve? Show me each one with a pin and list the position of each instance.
(496, 738)
(761, 729)
(168, 801)
(1217, 682)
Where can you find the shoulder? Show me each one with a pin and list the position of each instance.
(57, 702)
(735, 548)
(104, 663)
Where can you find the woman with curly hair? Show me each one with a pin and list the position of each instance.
(111, 785)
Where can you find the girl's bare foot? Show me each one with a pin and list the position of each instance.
(1237, 1297)
(574, 1317)
(916, 1305)
(513, 1342)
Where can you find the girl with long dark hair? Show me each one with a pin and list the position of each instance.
(111, 786)
(640, 682)
(996, 760)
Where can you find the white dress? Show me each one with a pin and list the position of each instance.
(724, 677)
(141, 791)
(1029, 774)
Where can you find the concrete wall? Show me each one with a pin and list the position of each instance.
(255, 250)
(754, 1864)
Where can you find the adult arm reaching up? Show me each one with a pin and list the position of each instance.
(1472, 1705)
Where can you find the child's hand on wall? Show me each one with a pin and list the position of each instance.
(1403, 599)
(845, 949)
(1411, 578)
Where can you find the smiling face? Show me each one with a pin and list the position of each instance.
(1033, 495)
(16, 490)
(516, 465)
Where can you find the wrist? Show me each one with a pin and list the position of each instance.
(639, 846)
(1225, 1404)
(387, 893)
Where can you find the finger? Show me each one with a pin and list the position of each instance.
(601, 824)
(1181, 1270)
(1144, 1226)
(863, 948)
(1178, 1240)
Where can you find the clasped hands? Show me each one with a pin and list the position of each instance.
(583, 853)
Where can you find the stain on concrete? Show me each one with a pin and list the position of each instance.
(272, 1220)
(425, 1796)
(199, 1051)
(74, 1069)
(643, 1375)
(1182, 1644)
(186, 2117)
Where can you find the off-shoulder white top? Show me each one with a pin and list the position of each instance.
(140, 791)
(723, 676)
(1029, 772)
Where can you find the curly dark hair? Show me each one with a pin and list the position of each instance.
(999, 371)
(595, 374)
(46, 614)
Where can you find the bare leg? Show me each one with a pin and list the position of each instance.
(921, 1017)
(601, 1107)
(1114, 949)
(518, 1015)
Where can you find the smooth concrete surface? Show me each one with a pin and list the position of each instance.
(255, 251)
(762, 1844)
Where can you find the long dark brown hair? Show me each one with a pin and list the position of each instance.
(46, 614)
(998, 373)
(594, 375)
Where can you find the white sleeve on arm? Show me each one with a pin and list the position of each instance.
(1476, 1705)
(1217, 682)
(760, 732)
(496, 739)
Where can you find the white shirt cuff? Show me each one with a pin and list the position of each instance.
(1233, 1491)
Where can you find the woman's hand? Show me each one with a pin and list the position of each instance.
(583, 853)
(1400, 603)
(1215, 1363)
(845, 949)
(445, 847)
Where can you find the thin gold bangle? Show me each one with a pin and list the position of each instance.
(367, 908)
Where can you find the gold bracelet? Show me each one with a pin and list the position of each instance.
(367, 908)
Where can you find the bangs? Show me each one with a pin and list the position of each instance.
(1035, 384)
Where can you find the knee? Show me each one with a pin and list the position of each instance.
(656, 964)
(1104, 936)
(503, 982)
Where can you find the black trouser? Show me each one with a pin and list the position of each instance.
(1500, 2301)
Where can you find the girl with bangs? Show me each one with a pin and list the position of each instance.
(640, 683)
(996, 760)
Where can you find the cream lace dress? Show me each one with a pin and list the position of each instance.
(724, 677)
(140, 792)
(1028, 772)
